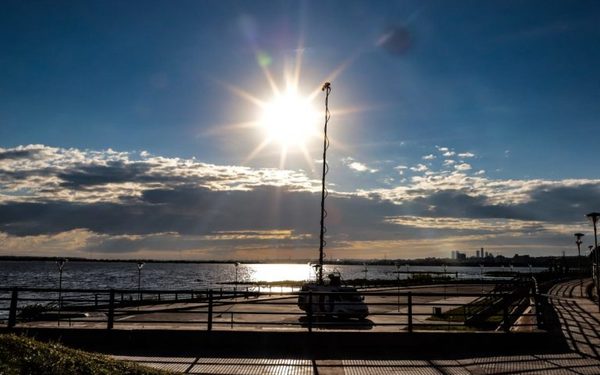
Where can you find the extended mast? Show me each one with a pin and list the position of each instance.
(327, 89)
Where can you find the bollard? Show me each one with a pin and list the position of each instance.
(111, 310)
(210, 311)
(12, 313)
(410, 312)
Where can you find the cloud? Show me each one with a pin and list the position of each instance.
(419, 168)
(429, 157)
(447, 154)
(462, 167)
(466, 155)
(116, 203)
(357, 166)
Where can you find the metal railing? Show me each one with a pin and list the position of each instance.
(502, 309)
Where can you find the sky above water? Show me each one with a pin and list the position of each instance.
(193, 129)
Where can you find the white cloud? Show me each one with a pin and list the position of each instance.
(466, 155)
(429, 157)
(41, 173)
(462, 167)
(401, 169)
(449, 162)
(449, 154)
(358, 166)
(419, 168)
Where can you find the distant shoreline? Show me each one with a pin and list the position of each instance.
(522, 261)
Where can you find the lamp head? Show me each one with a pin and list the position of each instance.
(593, 216)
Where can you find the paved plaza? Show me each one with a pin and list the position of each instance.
(579, 321)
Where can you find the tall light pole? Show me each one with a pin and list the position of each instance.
(236, 264)
(140, 265)
(593, 216)
(61, 265)
(578, 242)
(398, 283)
(481, 276)
(327, 88)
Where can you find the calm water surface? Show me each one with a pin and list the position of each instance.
(123, 275)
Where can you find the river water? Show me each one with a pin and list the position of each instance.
(124, 275)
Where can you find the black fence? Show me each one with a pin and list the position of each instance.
(450, 307)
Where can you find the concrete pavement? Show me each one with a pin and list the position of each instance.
(578, 316)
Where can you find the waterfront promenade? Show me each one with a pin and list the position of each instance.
(579, 326)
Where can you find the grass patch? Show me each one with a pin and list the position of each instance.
(23, 355)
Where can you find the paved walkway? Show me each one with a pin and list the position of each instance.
(580, 324)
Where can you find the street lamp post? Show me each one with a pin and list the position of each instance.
(237, 265)
(61, 265)
(140, 265)
(578, 242)
(398, 283)
(481, 276)
(593, 216)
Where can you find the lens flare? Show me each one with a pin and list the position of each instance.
(289, 119)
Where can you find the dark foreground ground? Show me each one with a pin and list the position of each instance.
(574, 348)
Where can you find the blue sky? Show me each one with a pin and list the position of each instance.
(508, 91)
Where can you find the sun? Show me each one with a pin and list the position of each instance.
(289, 119)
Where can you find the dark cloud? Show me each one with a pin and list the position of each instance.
(18, 153)
(113, 172)
(201, 211)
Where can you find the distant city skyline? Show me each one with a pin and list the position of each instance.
(192, 130)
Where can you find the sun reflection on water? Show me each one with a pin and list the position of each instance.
(279, 272)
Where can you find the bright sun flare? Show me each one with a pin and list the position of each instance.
(289, 119)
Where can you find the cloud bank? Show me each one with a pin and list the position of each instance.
(56, 201)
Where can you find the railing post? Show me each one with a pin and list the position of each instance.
(505, 314)
(210, 311)
(309, 312)
(111, 310)
(410, 312)
(12, 313)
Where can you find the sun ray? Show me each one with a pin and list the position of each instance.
(307, 158)
(256, 150)
(283, 156)
(244, 94)
(353, 110)
(225, 128)
(270, 80)
(298, 66)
